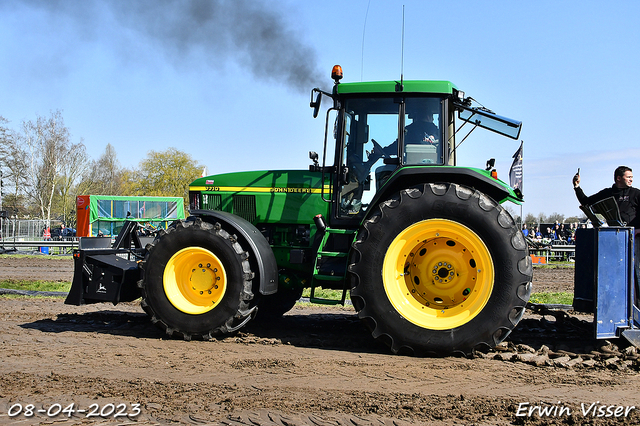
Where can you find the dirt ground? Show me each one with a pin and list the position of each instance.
(60, 268)
(316, 366)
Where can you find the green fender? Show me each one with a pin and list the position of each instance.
(407, 177)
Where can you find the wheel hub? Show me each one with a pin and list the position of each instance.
(439, 270)
(442, 271)
(438, 273)
(194, 280)
(204, 278)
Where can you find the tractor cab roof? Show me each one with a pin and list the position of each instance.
(407, 86)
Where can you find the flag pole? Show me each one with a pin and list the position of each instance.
(516, 176)
(521, 217)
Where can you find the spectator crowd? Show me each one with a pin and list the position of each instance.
(557, 233)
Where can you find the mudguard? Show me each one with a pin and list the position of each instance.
(407, 177)
(262, 260)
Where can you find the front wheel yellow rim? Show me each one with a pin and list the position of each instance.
(438, 274)
(194, 280)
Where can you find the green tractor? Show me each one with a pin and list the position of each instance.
(432, 262)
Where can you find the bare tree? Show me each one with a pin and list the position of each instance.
(109, 170)
(4, 142)
(46, 142)
(75, 164)
(104, 176)
(13, 165)
(16, 168)
(555, 216)
(530, 219)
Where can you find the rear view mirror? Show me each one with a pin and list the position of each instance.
(316, 104)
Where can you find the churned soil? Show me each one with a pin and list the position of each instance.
(36, 268)
(315, 366)
(552, 280)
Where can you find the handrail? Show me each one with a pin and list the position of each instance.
(39, 243)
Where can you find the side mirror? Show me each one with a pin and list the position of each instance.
(391, 160)
(316, 104)
(314, 157)
(491, 163)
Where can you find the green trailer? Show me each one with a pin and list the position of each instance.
(431, 261)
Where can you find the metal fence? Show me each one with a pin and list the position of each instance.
(22, 229)
(65, 246)
(27, 236)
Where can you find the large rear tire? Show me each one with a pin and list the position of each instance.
(197, 281)
(440, 269)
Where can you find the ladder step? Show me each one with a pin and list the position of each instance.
(328, 277)
(325, 301)
(332, 254)
(340, 231)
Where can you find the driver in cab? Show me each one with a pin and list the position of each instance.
(421, 131)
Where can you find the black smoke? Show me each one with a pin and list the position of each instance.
(253, 33)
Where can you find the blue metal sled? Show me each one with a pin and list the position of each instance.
(604, 281)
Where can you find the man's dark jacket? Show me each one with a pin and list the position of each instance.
(628, 200)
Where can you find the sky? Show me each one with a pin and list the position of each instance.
(229, 82)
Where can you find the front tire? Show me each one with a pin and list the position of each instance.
(440, 269)
(197, 281)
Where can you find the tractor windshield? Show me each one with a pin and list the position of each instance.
(409, 129)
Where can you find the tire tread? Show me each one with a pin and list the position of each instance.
(377, 317)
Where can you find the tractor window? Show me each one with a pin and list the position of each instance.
(371, 132)
(423, 134)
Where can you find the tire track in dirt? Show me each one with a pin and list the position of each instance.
(316, 366)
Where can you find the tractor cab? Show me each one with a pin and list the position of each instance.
(379, 135)
(384, 130)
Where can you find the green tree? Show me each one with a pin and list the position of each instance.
(128, 181)
(15, 205)
(166, 173)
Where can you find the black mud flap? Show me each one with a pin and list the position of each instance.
(103, 276)
(106, 274)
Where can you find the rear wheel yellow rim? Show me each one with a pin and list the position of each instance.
(438, 274)
(194, 280)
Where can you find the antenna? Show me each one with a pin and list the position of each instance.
(402, 51)
(364, 27)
